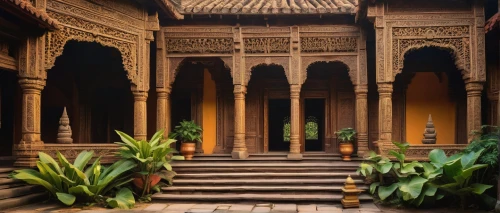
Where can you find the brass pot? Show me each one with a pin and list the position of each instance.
(187, 150)
(346, 150)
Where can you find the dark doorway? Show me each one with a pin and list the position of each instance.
(8, 87)
(314, 124)
(279, 124)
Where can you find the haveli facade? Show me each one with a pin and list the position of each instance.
(258, 76)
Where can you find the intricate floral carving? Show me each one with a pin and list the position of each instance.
(421, 151)
(332, 44)
(199, 45)
(431, 32)
(267, 45)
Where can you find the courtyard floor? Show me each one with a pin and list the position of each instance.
(227, 208)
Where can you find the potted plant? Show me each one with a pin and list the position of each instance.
(346, 137)
(188, 133)
(151, 157)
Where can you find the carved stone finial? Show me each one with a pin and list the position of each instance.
(64, 133)
(351, 199)
(429, 132)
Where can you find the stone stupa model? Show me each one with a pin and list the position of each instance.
(350, 199)
(64, 133)
(429, 132)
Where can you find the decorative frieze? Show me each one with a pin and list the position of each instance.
(267, 45)
(199, 45)
(432, 32)
(331, 44)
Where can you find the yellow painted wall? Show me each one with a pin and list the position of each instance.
(426, 95)
(209, 113)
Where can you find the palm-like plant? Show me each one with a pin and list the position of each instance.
(72, 181)
(150, 157)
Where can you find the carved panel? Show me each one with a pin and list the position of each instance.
(332, 44)
(199, 45)
(267, 45)
(345, 110)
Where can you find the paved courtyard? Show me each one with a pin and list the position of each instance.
(224, 208)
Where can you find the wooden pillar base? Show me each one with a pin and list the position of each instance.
(294, 156)
(27, 154)
(239, 154)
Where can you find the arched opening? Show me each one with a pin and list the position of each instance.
(430, 84)
(10, 111)
(89, 80)
(268, 110)
(203, 92)
(328, 99)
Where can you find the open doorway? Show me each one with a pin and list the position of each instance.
(8, 110)
(279, 125)
(314, 124)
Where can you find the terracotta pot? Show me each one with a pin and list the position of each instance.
(346, 150)
(187, 150)
(139, 180)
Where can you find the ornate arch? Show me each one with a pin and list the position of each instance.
(175, 63)
(251, 62)
(351, 62)
(458, 48)
(55, 42)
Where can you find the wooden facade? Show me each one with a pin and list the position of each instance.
(342, 56)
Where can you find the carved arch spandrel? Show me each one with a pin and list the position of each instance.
(251, 62)
(55, 42)
(350, 61)
(459, 48)
(175, 64)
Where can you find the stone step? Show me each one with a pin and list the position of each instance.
(271, 158)
(264, 169)
(18, 191)
(272, 189)
(13, 185)
(313, 175)
(4, 181)
(233, 164)
(230, 197)
(260, 181)
(7, 170)
(23, 200)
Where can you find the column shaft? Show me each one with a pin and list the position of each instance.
(384, 114)
(239, 147)
(140, 115)
(473, 107)
(295, 123)
(362, 118)
(163, 110)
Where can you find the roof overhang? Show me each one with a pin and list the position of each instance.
(27, 11)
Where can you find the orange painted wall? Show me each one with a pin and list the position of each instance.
(209, 113)
(426, 95)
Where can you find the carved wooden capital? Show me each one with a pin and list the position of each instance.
(385, 89)
(240, 91)
(163, 92)
(295, 91)
(30, 85)
(361, 89)
(140, 95)
(474, 88)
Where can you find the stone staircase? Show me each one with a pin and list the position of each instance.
(318, 178)
(15, 193)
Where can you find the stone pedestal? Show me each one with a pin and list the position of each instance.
(239, 146)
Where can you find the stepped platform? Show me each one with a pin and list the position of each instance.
(15, 193)
(317, 178)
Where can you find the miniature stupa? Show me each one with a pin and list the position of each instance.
(351, 199)
(64, 133)
(429, 132)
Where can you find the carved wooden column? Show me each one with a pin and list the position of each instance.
(239, 146)
(163, 109)
(31, 142)
(140, 115)
(295, 122)
(384, 114)
(362, 118)
(473, 106)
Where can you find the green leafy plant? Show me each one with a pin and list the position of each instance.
(486, 139)
(408, 183)
(187, 132)
(79, 182)
(457, 173)
(151, 157)
(346, 135)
